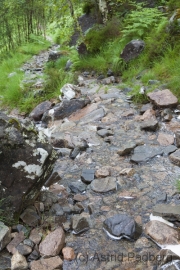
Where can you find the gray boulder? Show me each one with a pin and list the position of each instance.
(121, 225)
(39, 110)
(132, 50)
(26, 162)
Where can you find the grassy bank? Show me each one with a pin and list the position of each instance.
(11, 93)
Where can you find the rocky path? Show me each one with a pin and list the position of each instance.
(116, 160)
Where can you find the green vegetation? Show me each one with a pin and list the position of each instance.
(11, 92)
(126, 20)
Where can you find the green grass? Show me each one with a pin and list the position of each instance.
(12, 95)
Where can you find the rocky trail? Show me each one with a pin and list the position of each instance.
(117, 168)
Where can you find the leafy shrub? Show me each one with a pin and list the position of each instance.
(87, 7)
(97, 36)
(139, 22)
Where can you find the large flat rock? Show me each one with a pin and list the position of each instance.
(163, 98)
(145, 152)
(104, 184)
(169, 212)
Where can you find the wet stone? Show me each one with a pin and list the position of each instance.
(77, 187)
(104, 184)
(80, 224)
(145, 152)
(121, 225)
(87, 175)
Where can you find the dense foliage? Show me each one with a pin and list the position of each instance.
(27, 21)
(18, 20)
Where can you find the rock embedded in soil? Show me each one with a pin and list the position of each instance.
(33, 256)
(146, 107)
(103, 172)
(121, 225)
(18, 262)
(175, 157)
(69, 91)
(104, 133)
(30, 216)
(11, 247)
(53, 243)
(5, 235)
(77, 187)
(132, 50)
(87, 175)
(93, 116)
(177, 136)
(24, 249)
(149, 125)
(165, 139)
(80, 224)
(163, 98)
(169, 149)
(104, 184)
(126, 148)
(47, 264)
(162, 234)
(166, 115)
(145, 152)
(68, 253)
(67, 107)
(169, 212)
(39, 110)
(35, 236)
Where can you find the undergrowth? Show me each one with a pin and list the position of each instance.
(11, 93)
